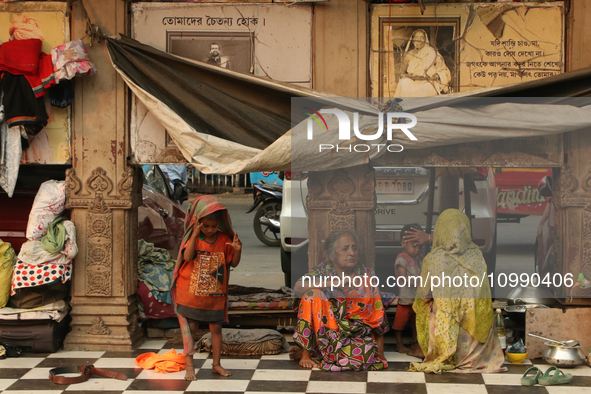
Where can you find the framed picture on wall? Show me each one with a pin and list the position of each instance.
(418, 56)
(231, 50)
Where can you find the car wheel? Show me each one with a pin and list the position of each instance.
(264, 233)
(491, 257)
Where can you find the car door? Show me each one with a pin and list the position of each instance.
(160, 220)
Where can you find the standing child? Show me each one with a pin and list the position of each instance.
(408, 266)
(201, 276)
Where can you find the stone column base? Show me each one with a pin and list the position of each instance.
(108, 324)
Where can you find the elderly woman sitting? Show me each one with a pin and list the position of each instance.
(340, 329)
(455, 326)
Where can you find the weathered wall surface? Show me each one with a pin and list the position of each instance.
(478, 46)
(340, 48)
(578, 53)
(267, 40)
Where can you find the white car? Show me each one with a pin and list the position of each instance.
(401, 199)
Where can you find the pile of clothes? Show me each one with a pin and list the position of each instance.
(155, 269)
(26, 75)
(35, 284)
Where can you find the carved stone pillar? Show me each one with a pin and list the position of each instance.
(103, 194)
(572, 199)
(341, 200)
(104, 309)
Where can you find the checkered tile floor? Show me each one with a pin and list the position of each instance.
(266, 374)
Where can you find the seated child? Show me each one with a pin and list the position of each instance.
(408, 265)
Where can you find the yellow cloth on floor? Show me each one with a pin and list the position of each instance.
(162, 363)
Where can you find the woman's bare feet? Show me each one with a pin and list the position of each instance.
(220, 370)
(297, 353)
(416, 351)
(306, 361)
(190, 373)
(381, 356)
(402, 349)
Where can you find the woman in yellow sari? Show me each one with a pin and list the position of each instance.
(455, 327)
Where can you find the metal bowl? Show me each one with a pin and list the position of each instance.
(563, 356)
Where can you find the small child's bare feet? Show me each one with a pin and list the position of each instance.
(220, 370)
(190, 374)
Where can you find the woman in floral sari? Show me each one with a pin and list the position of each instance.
(340, 329)
(455, 326)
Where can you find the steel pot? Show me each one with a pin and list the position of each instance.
(530, 295)
(563, 356)
(516, 313)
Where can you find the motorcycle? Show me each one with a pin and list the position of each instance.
(266, 218)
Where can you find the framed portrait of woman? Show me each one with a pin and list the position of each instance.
(417, 57)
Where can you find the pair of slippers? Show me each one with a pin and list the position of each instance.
(547, 378)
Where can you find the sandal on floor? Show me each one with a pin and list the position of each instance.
(531, 380)
(558, 377)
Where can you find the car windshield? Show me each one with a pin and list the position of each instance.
(154, 178)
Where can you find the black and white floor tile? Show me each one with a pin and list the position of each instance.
(267, 374)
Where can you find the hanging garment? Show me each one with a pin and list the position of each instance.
(20, 57)
(70, 59)
(44, 79)
(25, 58)
(62, 94)
(21, 106)
(11, 157)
